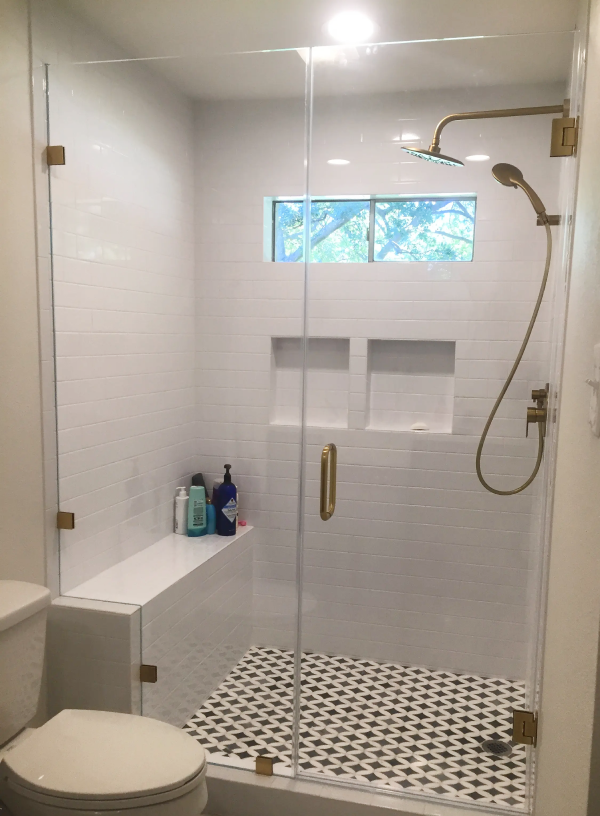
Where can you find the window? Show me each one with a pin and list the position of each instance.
(360, 230)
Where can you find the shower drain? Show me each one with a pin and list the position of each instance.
(496, 748)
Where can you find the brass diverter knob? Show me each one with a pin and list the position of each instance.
(538, 413)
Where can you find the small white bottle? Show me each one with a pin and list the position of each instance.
(181, 511)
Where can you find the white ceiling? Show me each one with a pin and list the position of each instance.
(204, 34)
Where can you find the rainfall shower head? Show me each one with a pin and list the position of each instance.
(511, 176)
(433, 155)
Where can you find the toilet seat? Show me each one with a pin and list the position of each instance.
(101, 760)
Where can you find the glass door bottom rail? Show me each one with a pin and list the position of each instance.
(394, 727)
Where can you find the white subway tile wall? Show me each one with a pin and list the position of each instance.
(419, 565)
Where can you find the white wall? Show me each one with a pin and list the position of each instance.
(123, 295)
(22, 553)
(419, 565)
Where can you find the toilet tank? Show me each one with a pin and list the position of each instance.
(23, 611)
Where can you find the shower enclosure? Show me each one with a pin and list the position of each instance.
(247, 268)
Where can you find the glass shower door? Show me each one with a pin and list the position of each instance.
(420, 590)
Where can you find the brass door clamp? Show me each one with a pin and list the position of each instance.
(539, 413)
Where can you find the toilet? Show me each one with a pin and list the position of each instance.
(82, 763)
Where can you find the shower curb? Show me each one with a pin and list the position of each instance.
(234, 792)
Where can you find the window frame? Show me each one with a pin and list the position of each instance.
(372, 200)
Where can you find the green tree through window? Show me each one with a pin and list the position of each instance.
(417, 229)
(424, 230)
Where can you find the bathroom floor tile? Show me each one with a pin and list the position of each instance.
(385, 725)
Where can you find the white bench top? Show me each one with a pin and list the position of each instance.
(143, 576)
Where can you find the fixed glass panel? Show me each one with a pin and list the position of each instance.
(168, 328)
(420, 589)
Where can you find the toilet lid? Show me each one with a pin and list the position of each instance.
(19, 600)
(103, 755)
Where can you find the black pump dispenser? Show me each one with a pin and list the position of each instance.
(227, 477)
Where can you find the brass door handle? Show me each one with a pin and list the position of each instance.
(328, 469)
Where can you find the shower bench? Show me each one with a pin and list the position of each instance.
(182, 605)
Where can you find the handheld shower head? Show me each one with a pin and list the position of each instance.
(507, 174)
(433, 155)
(511, 176)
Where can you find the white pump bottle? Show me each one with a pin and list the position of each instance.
(181, 511)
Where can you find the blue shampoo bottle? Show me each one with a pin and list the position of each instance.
(227, 506)
(211, 517)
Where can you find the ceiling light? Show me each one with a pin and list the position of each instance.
(478, 157)
(350, 27)
(338, 161)
(410, 137)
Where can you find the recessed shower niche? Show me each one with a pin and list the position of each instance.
(411, 385)
(328, 373)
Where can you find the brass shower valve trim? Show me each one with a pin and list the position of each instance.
(538, 413)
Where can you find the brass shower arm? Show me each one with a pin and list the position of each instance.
(491, 114)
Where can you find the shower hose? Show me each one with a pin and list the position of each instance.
(509, 379)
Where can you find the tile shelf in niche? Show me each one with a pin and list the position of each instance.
(411, 385)
(328, 381)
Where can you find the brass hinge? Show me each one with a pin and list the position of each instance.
(65, 521)
(565, 135)
(525, 727)
(55, 154)
(264, 765)
(148, 673)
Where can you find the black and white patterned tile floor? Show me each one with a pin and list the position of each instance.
(394, 727)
